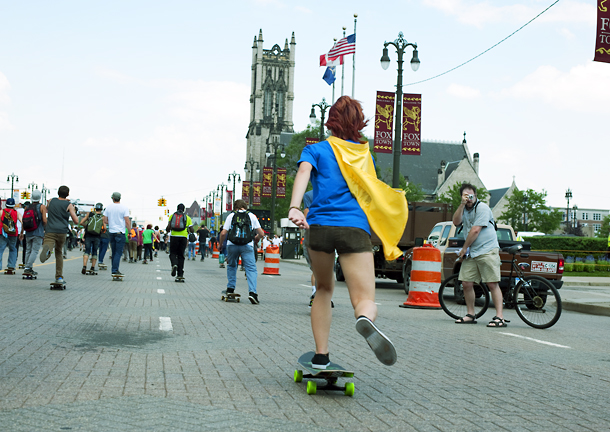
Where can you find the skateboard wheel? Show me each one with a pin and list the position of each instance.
(312, 387)
(349, 389)
(298, 375)
(222, 298)
(349, 375)
(238, 300)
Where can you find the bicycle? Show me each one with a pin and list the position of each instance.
(536, 300)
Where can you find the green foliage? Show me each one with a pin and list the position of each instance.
(527, 211)
(453, 197)
(570, 246)
(605, 229)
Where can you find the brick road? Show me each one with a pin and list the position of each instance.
(93, 357)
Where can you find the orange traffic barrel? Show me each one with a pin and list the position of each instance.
(215, 252)
(272, 261)
(425, 278)
(197, 247)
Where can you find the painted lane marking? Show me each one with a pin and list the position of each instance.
(308, 286)
(536, 340)
(158, 270)
(165, 324)
(160, 291)
(159, 278)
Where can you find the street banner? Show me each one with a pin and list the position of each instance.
(245, 191)
(229, 200)
(311, 141)
(602, 42)
(256, 197)
(204, 214)
(280, 181)
(217, 206)
(267, 181)
(411, 124)
(384, 122)
(210, 210)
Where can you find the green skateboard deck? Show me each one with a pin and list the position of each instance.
(331, 374)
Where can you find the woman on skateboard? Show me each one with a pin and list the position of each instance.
(348, 200)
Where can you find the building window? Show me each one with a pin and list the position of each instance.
(280, 103)
(268, 103)
(597, 216)
(597, 227)
(585, 216)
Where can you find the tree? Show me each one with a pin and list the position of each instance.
(453, 196)
(527, 211)
(605, 229)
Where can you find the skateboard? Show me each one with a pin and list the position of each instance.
(230, 297)
(21, 266)
(102, 266)
(179, 279)
(28, 276)
(9, 271)
(91, 272)
(58, 286)
(330, 374)
(116, 277)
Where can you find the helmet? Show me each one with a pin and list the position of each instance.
(10, 202)
(99, 206)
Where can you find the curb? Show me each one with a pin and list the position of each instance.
(581, 284)
(590, 309)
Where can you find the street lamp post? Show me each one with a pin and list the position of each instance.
(251, 165)
(400, 44)
(575, 208)
(275, 145)
(234, 174)
(312, 117)
(44, 192)
(12, 178)
(568, 196)
(222, 188)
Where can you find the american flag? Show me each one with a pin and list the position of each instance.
(345, 46)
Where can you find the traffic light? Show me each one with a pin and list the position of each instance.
(27, 195)
(23, 194)
(162, 202)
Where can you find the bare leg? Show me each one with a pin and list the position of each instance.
(496, 296)
(359, 272)
(322, 264)
(469, 297)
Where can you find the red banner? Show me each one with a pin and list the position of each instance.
(280, 182)
(602, 43)
(229, 206)
(204, 214)
(256, 197)
(311, 141)
(384, 121)
(411, 124)
(267, 181)
(245, 191)
(210, 209)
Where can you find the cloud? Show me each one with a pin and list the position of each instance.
(4, 88)
(463, 92)
(5, 124)
(479, 13)
(584, 88)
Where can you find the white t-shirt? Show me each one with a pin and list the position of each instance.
(277, 241)
(116, 213)
(255, 224)
(266, 243)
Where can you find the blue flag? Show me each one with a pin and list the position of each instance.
(329, 75)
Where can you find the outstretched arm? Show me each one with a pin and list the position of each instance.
(298, 190)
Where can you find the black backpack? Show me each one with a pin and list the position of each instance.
(241, 232)
(178, 222)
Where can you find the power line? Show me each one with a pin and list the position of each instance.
(488, 49)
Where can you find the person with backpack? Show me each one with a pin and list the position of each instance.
(93, 233)
(59, 210)
(203, 234)
(241, 229)
(192, 245)
(147, 240)
(178, 228)
(10, 234)
(33, 222)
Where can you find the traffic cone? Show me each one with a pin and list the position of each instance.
(425, 279)
(215, 252)
(272, 261)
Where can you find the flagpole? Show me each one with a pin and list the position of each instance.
(354, 60)
(333, 100)
(343, 67)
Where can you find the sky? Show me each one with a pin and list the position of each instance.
(151, 98)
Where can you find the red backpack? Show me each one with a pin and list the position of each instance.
(30, 219)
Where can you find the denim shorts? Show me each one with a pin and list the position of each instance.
(341, 239)
(92, 244)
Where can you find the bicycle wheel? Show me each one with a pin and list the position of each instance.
(451, 298)
(537, 302)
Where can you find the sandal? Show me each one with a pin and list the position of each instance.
(497, 322)
(463, 321)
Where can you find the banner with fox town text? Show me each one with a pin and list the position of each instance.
(384, 122)
(411, 124)
(602, 42)
(245, 191)
(229, 205)
(267, 181)
(256, 196)
(280, 183)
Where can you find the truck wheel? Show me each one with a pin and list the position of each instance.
(339, 272)
(406, 275)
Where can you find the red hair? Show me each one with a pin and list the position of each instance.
(346, 120)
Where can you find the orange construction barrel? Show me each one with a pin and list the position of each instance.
(425, 278)
(272, 261)
(215, 253)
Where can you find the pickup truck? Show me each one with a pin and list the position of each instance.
(445, 237)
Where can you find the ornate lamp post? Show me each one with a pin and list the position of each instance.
(312, 117)
(251, 165)
(400, 44)
(221, 188)
(12, 178)
(234, 174)
(575, 208)
(44, 192)
(275, 145)
(568, 196)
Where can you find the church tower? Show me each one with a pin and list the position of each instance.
(271, 98)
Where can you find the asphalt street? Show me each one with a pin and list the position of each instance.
(151, 354)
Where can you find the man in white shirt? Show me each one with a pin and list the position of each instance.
(116, 218)
(245, 248)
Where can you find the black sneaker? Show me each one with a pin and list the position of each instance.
(379, 343)
(84, 270)
(174, 270)
(45, 254)
(253, 297)
(27, 271)
(229, 291)
(320, 361)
